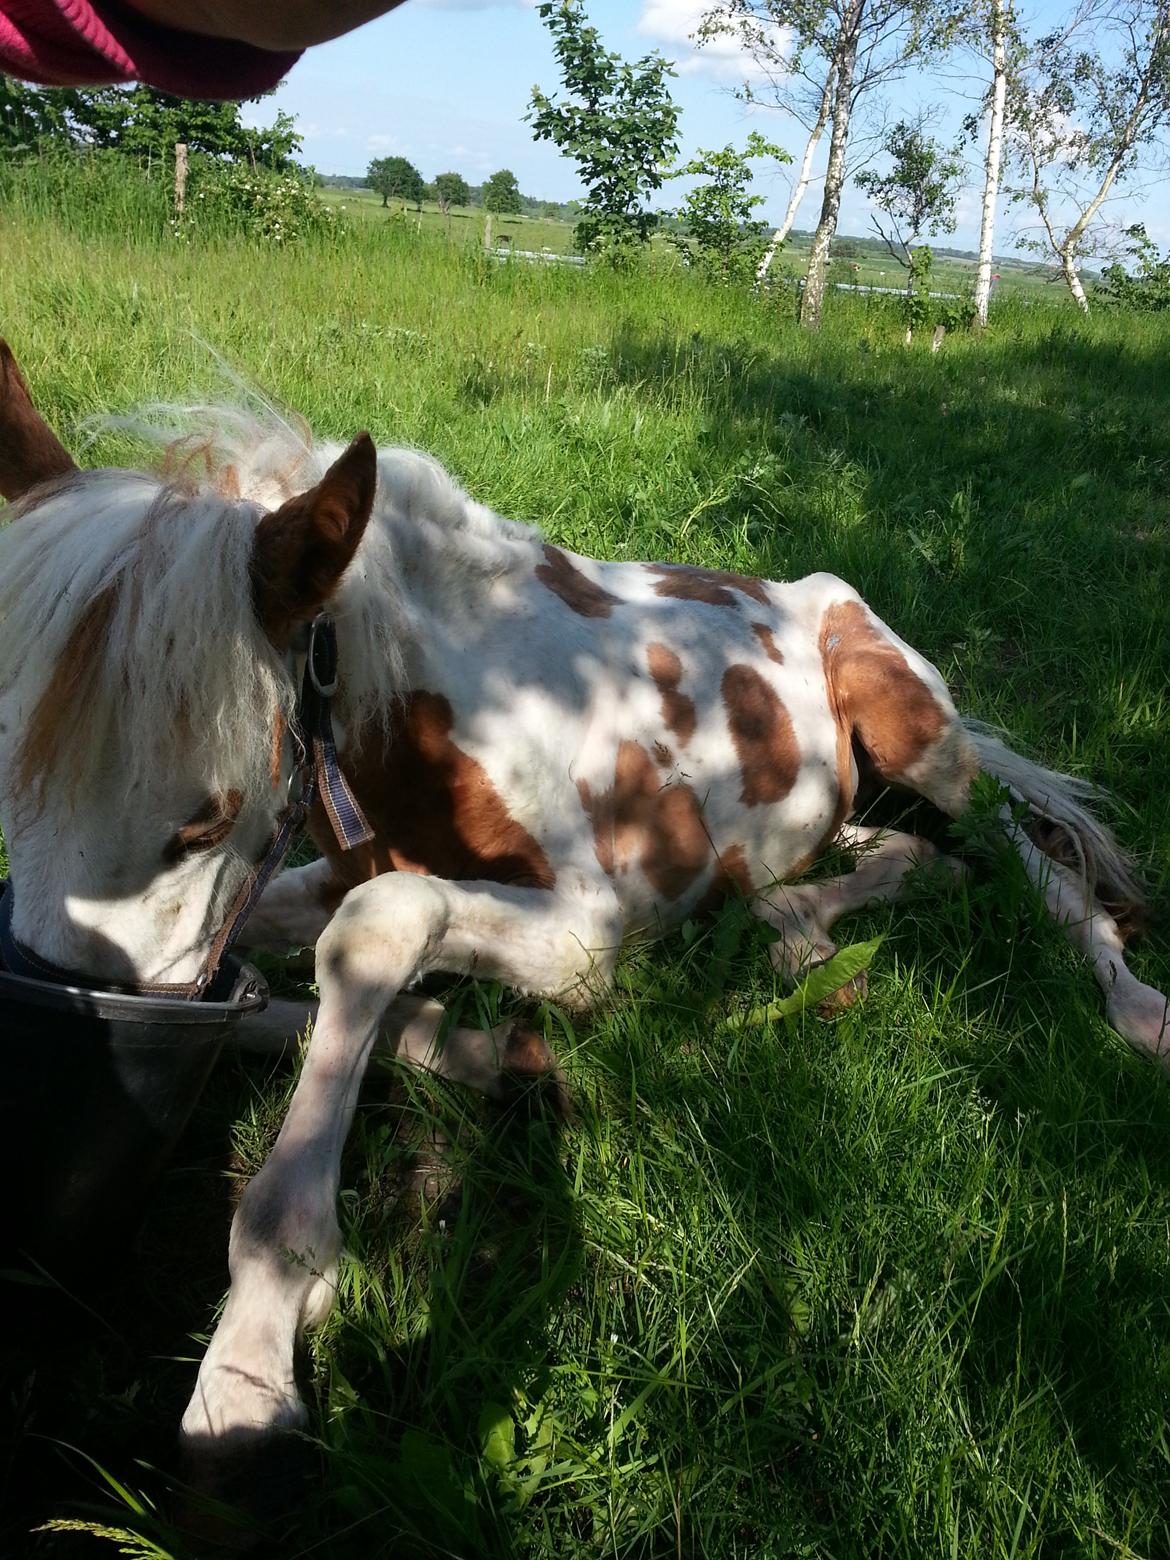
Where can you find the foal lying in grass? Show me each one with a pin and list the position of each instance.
(552, 755)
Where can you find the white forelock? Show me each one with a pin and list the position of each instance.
(184, 664)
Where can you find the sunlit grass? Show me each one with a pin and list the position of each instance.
(896, 1285)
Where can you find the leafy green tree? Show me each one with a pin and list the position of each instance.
(451, 189)
(501, 193)
(716, 216)
(616, 120)
(917, 193)
(28, 117)
(1147, 286)
(144, 124)
(395, 177)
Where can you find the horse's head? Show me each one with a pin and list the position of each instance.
(147, 644)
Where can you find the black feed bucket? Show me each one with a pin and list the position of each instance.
(96, 1090)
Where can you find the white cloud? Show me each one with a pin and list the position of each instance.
(674, 23)
(382, 143)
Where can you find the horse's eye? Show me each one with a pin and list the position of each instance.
(209, 827)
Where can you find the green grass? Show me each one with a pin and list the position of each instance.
(893, 1286)
(462, 224)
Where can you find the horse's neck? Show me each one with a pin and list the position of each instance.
(421, 580)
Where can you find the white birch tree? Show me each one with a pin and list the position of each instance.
(834, 54)
(779, 81)
(800, 183)
(999, 28)
(1089, 108)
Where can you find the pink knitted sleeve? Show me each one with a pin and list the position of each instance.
(73, 43)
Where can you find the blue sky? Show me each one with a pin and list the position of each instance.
(447, 83)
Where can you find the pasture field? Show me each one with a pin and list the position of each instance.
(465, 224)
(895, 1285)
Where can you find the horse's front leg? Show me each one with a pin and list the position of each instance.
(285, 1239)
(294, 909)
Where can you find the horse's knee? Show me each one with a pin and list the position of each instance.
(381, 932)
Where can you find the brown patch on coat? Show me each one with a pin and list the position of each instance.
(207, 827)
(761, 730)
(715, 587)
(64, 713)
(662, 755)
(579, 594)
(771, 649)
(640, 820)
(732, 877)
(678, 710)
(875, 693)
(330, 893)
(30, 451)
(432, 807)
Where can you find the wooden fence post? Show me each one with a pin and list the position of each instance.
(180, 177)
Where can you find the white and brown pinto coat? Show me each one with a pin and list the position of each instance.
(555, 755)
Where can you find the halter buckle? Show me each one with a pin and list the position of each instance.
(321, 658)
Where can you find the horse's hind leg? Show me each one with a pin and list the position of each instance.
(891, 700)
(805, 913)
(1140, 1014)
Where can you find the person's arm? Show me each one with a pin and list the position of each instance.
(269, 24)
(191, 48)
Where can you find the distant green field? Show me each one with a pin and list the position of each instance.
(895, 1286)
(466, 224)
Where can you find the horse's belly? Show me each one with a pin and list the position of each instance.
(675, 838)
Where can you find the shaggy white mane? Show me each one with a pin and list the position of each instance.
(165, 561)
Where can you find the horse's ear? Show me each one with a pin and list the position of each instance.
(29, 449)
(303, 548)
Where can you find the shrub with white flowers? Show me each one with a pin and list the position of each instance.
(276, 208)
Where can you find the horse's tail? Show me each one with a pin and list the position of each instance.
(1061, 825)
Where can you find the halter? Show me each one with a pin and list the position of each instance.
(316, 772)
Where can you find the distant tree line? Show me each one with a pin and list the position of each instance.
(396, 178)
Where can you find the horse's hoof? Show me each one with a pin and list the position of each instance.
(1141, 1015)
(527, 1061)
(239, 1491)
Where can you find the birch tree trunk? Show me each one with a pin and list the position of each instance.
(1068, 269)
(812, 300)
(801, 184)
(1000, 12)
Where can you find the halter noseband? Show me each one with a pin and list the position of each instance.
(316, 772)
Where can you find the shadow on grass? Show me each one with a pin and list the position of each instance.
(466, 1202)
(1021, 489)
(829, 1240)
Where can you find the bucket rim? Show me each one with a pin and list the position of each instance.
(248, 993)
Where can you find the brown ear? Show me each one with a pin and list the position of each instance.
(29, 450)
(303, 548)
